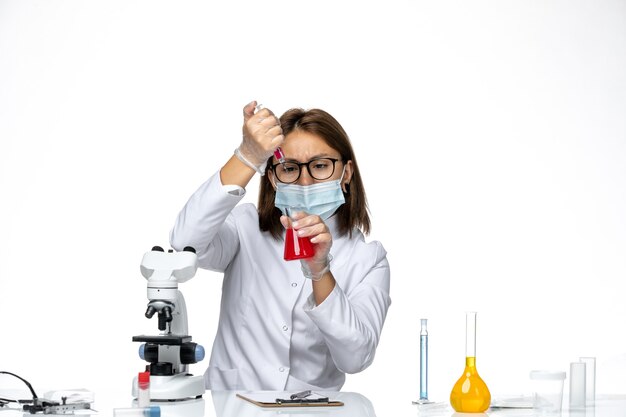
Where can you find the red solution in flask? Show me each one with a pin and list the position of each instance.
(297, 247)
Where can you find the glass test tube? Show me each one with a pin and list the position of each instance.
(577, 391)
(143, 389)
(424, 361)
(590, 379)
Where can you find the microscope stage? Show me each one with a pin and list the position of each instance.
(163, 339)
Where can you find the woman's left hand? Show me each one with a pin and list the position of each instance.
(313, 227)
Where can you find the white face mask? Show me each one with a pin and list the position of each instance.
(323, 198)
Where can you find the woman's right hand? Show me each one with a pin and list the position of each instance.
(262, 134)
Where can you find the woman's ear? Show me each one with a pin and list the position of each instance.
(347, 177)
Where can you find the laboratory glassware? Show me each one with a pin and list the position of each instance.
(470, 393)
(143, 389)
(577, 386)
(547, 390)
(153, 411)
(296, 247)
(424, 361)
(279, 155)
(590, 379)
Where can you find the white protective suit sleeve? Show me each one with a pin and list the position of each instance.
(209, 231)
(351, 324)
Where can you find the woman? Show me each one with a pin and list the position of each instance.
(287, 325)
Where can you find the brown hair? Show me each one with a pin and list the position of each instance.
(354, 213)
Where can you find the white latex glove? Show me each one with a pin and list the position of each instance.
(262, 134)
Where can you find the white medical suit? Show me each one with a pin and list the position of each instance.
(271, 335)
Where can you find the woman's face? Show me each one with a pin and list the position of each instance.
(301, 147)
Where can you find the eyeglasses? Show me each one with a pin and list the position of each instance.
(319, 169)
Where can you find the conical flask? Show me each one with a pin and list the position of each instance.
(470, 393)
(296, 247)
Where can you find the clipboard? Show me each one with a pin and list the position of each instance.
(282, 400)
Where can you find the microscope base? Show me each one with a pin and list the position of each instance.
(173, 388)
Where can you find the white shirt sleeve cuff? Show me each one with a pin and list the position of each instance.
(234, 190)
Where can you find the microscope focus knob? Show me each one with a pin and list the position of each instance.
(191, 352)
(149, 352)
(161, 368)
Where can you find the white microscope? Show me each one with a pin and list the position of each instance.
(170, 352)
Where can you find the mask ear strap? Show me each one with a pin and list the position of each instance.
(344, 185)
(343, 172)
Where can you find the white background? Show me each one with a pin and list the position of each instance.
(491, 136)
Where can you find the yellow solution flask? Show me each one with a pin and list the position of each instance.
(470, 393)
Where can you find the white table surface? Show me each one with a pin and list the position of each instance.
(226, 404)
